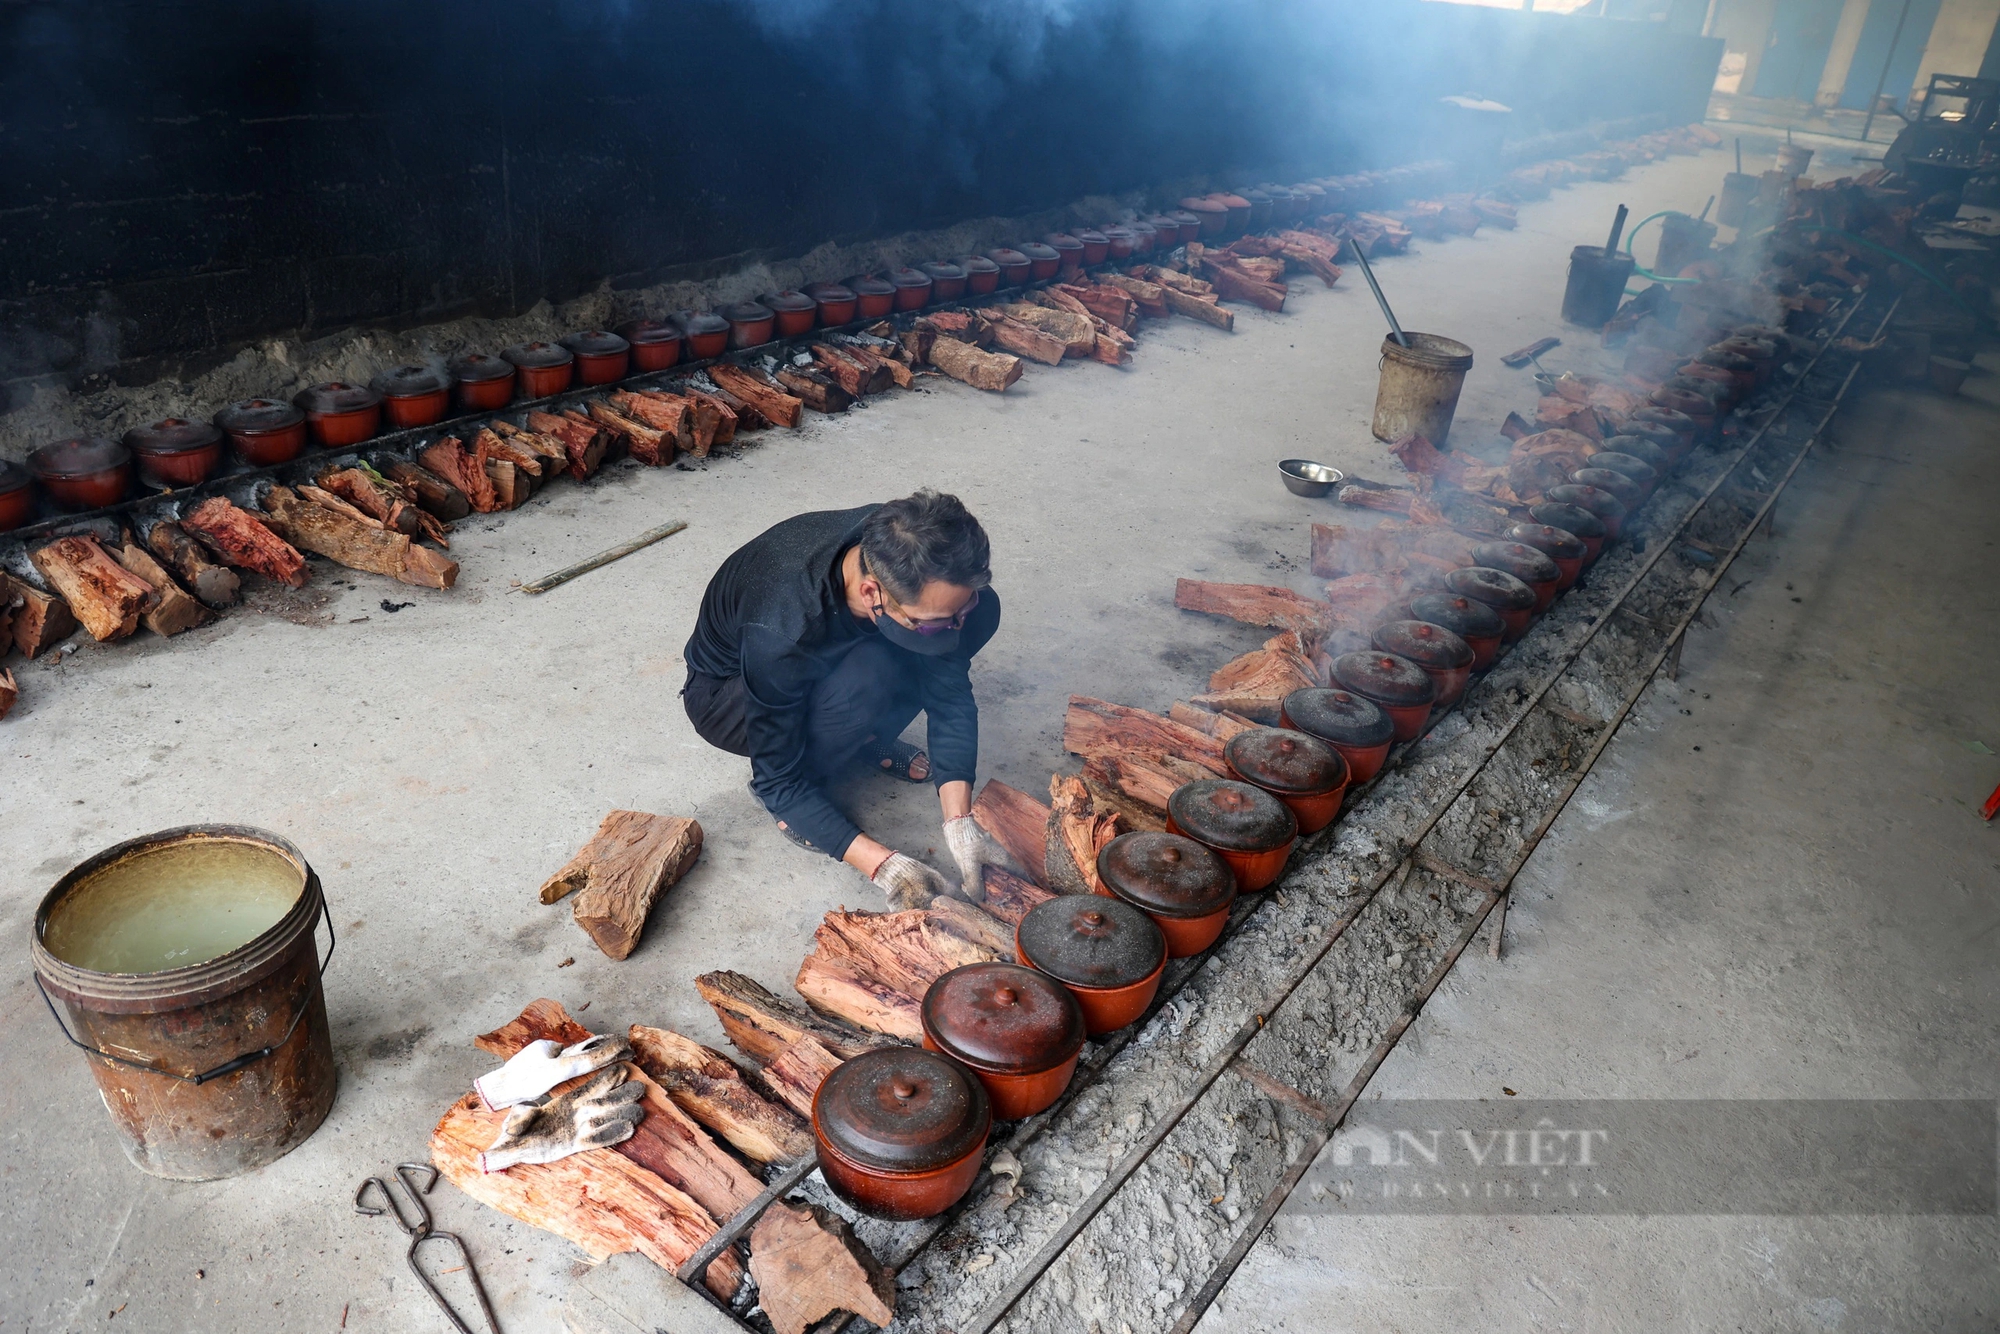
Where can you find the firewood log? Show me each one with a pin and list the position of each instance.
(737, 415)
(1254, 604)
(916, 343)
(357, 543)
(240, 540)
(1015, 820)
(449, 459)
(650, 445)
(872, 969)
(9, 602)
(1148, 782)
(814, 389)
(10, 691)
(554, 455)
(1255, 684)
(851, 370)
(1108, 302)
(583, 443)
(1110, 351)
(41, 618)
(762, 1025)
(1026, 340)
(439, 498)
(107, 598)
(216, 585)
(1060, 297)
(972, 925)
(794, 1075)
(1148, 298)
(992, 371)
(176, 610)
(1388, 499)
(619, 875)
(808, 1264)
(1077, 332)
(1093, 727)
(672, 415)
(614, 444)
(898, 373)
(374, 495)
(770, 400)
(1077, 832)
(964, 325)
(708, 1087)
(513, 448)
(1009, 897)
(1195, 308)
(1136, 815)
(511, 486)
(1235, 283)
(1221, 726)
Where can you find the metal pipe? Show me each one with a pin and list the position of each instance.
(1617, 230)
(1887, 60)
(1402, 338)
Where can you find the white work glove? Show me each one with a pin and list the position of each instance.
(540, 1066)
(908, 883)
(974, 850)
(595, 1115)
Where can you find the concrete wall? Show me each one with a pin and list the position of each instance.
(1846, 37)
(1744, 26)
(1959, 38)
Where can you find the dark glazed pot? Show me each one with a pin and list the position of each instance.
(1597, 500)
(901, 1132)
(1069, 252)
(1481, 627)
(1682, 426)
(1261, 208)
(17, 496)
(1184, 886)
(1402, 689)
(412, 396)
(751, 323)
(264, 430)
(1742, 370)
(1649, 442)
(1096, 247)
(1566, 549)
(706, 335)
(1530, 565)
(1513, 601)
(1019, 1030)
(541, 368)
(796, 312)
(85, 472)
(1580, 523)
(1251, 829)
(1356, 727)
(875, 296)
(1635, 473)
(835, 305)
(656, 345)
(1297, 768)
(175, 452)
(1698, 410)
(1445, 657)
(483, 383)
(913, 288)
(948, 280)
(1235, 216)
(339, 414)
(1044, 261)
(982, 275)
(1015, 267)
(1108, 953)
(602, 357)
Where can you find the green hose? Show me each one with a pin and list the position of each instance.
(1648, 273)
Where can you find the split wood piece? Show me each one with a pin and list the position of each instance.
(1093, 727)
(449, 459)
(1077, 831)
(762, 1026)
(814, 389)
(1175, 281)
(650, 445)
(797, 1072)
(770, 400)
(1255, 684)
(1255, 604)
(614, 444)
(1016, 821)
(872, 969)
(356, 541)
(513, 448)
(584, 444)
(1387, 499)
(1078, 333)
(373, 495)
(216, 585)
(540, 1018)
(733, 413)
(1521, 356)
(972, 924)
(808, 1264)
(849, 372)
(176, 610)
(1027, 340)
(1061, 297)
(105, 596)
(511, 486)
(241, 540)
(963, 325)
(1009, 897)
(1338, 550)
(1136, 815)
(992, 371)
(1149, 298)
(672, 415)
(878, 358)
(1317, 253)
(439, 498)
(1221, 726)
(1196, 308)
(554, 455)
(10, 690)
(711, 422)
(1108, 349)
(1235, 283)
(620, 874)
(1146, 781)
(708, 1087)
(9, 603)
(1108, 302)
(41, 618)
(1264, 268)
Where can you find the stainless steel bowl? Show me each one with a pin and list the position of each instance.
(1303, 477)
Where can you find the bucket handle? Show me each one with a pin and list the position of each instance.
(228, 1067)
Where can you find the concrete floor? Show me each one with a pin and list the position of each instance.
(437, 762)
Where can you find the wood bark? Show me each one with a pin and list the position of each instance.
(770, 400)
(1009, 897)
(621, 873)
(1076, 332)
(762, 1026)
(375, 496)
(107, 598)
(814, 389)
(808, 1264)
(464, 469)
(357, 542)
(584, 444)
(1026, 340)
(1077, 832)
(1136, 815)
(992, 371)
(1221, 726)
(10, 691)
(872, 969)
(216, 585)
(439, 498)
(41, 618)
(1016, 821)
(708, 1087)
(1150, 298)
(648, 444)
(1255, 684)
(794, 1076)
(1255, 604)
(1096, 727)
(176, 610)
(241, 540)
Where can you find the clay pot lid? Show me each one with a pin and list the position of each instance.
(1566, 518)
(1495, 588)
(868, 284)
(1634, 470)
(1531, 565)
(1113, 233)
(1425, 644)
(79, 456)
(747, 312)
(905, 276)
(703, 322)
(1165, 874)
(1310, 191)
(902, 1109)
(981, 264)
(943, 269)
(1757, 349)
(1254, 194)
(1092, 236)
(1088, 940)
(1007, 258)
(478, 367)
(336, 396)
(1280, 759)
(1710, 392)
(1159, 222)
(650, 333)
(1649, 446)
(1339, 716)
(1586, 495)
(830, 292)
(258, 416)
(1063, 242)
(407, 382)
(1672, 419)
(538, 355)
(1036, 250)
(1239, 817)
(1229, 201)
(1551, 541)
(1677, 399)
(172, 435)
(796, 302)
(595, 343)
(12, 477)
(1183, 216)
(1147, 226)
(1385, 677)
(1004, 1018)
(1198, 206)
(1468, 618)
(1727, 358)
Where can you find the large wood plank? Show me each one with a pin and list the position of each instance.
(1016, 821)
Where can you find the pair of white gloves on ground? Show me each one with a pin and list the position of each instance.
(594, 1115)
(909, 883)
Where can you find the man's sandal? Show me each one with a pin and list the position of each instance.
(897, 759)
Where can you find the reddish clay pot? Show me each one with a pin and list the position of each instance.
(982, 275)
(1444, 657)
(1401, 688)
(175, 452)
(1713, 382)
(86, 472)
(1184, 886)
(1108, 953)
(1762, 354)
(602, 357)
(339, 414)
(1015, 267)
(901, 1132)
(1297, 768)
(483, 383)
(541, 369)
(751, 323)
(264, 431)
(837, 305)
(1531, 565)
(1251, 829)
(1580, 523)
(913, 288)
(1682, 426)
(1235, 215)
(1601, 502)
(1648, 442)
(1261, 207)
(1019, 1030)
(948, 280)
(796, 312)
(17, 496)
(656, 345)
(1096, 247)
(412, 396)
(1634, 477)
(1694, 407)
(1509, 598)
(1145, 236)
(1192, 223)
(1741, 370)
(1044, 261)
(875, 297)
(1566, 549)
(1481, 627)
(1352, 725)
(1069, 250)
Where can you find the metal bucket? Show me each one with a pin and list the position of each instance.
(1418, 390)
(217, 1066)
(1793, 159)
(1596, 285)
(1732, 206)
(1683, 240)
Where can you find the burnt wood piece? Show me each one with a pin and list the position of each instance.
(439, 498)
(356, 541)
(849, 372)
(554, 455)
(216, 585)
(176, 609)
(1144, 781)
(620, 874)
(672, 415)
(41, 618)
(808, 1264)
(1136, 815)
(241, 540)
(762, 1025)
(584, 444)
(107, 598)
(729, 414)
(708, 1087)
(769, 399)
(815, 389)
(899, 374)
(1015, 820)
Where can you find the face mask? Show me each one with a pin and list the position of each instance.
(902, 636)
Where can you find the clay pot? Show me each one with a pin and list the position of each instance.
(1184, 887)
(1402, 689)
(86, 472)
(1479, 625)
(1694, 407)
(483, 383)
(1742, 370)
(1251, 829)
(751, 323)
(340, 414)
(1566, 549)
(1235, 215)
(947, 279)
(1193, 223)
(1015, 267)
(1145, 237)
(1069, 251)
(175, 452)
(876, 297)
(1715, 383)
(1580, 523)
(913, 287)
(1356, 727)
(1531, 565)
(17, 496)
(1627, 476)
(1513, 601)
(1762, 353)
(796, 312)
(982, 275)
(412, 396)
(1109, 954)
(836, 305)
(1297, 768)
(1119, 243)
(1444, 657)
(265, 431)
(1044, 261)
(1682, 426)
(1096, 247)
(1601, 501)
(1211, 216)
(1019, 1030)
(901, 1132)
(1649, 442)
(656, 345)
(542, 368)
(704, 335)
(1261, 209)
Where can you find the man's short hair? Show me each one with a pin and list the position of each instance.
(923, 538)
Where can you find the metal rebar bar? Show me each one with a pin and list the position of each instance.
(1361, 257)
(1887, 61)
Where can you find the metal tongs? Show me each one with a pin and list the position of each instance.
(421, 1231)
